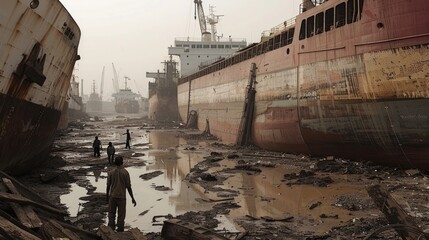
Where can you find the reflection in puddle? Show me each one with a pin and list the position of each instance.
(261, 195)
(266, 195)
(160, 154)
(70, 199)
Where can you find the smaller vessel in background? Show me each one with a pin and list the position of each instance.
(126, 101)
(163, 93)
(94, 103)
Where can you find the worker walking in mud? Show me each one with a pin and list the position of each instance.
(127, 141)
(110, 153)
(96, 145)
(118, 180)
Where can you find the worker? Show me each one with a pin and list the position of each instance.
(110, 153)
(127, 141)
(96, 145)
(118, 180)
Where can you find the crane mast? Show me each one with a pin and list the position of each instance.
(115, 79)
(202, 20)
(102, 83)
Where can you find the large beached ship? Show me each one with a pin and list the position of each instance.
(38, 50)
(347, 78)
(194, 54)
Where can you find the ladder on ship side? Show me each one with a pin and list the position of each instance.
(245, 128)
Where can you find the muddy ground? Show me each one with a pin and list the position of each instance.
(265, 194)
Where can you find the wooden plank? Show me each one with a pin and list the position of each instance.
(10, 186)
(137, 234)
(21, 215)
(394, 213)
(53, 230)
(106, 233)
(28, 192)
(16, 222)
(25, 214)
(3, 188)
(91, 235)
(12, 231)
(35, 220)
(181, 230)
(22, 200)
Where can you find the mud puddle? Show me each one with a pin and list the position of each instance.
(162, 195)
(270, 195)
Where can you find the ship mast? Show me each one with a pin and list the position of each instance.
(102, 84)
(126, 78)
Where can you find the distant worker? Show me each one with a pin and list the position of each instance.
(127, 142)
(118, 180)
(110, 153)
(96, 145)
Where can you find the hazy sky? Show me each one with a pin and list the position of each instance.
(135, 34)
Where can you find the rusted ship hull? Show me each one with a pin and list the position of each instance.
(360, 91)
(127, 107)
(163, 105)
(38, 50)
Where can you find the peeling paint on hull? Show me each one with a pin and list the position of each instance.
(364, 97)
(38, 50)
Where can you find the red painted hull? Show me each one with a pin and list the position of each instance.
(359, 90)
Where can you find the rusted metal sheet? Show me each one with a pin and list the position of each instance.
(38, 50)
(358, 91)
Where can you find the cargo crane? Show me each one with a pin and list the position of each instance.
(212, 20)
(115, 79)
(205, 35)
(102, 83)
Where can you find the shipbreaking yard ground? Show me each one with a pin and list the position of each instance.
(242, 193)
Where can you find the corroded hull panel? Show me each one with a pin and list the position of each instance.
(348, 107)
(26, 134)
(163, 104)
(38, 50)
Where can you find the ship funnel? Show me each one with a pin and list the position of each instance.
(309, 4)
(206, 37)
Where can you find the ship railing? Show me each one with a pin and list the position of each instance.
(279, 28)
(189, 39)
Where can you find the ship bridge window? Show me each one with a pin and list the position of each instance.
(227, 46)
(277, 42)
(234, 46)
(329, 19)
(193, 46)
(179, 45)
(199, 46)
(213, 46)
(290, 34)
(310, 26)
(220, 46)
(340, 15)
(319, 23)
(206, 46)
(186, 45)
(302, 30)
(360, 8)
(351, 13)
(283, 39)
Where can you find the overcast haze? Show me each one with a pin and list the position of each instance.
(135, 34)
